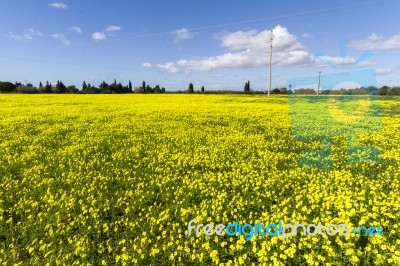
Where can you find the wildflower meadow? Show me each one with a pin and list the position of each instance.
(115, 180)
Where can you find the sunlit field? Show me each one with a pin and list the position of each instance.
(115, 179)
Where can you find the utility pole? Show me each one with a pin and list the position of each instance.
(270, 64)
(319, 82)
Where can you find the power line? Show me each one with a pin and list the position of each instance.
(65, 63)
(210, 28)
(316, 12)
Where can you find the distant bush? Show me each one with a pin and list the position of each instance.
(92, 90)
(26, 89)
(276, 91)
(305, 91)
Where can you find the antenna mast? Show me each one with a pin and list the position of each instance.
(270, 63)
(319, 82)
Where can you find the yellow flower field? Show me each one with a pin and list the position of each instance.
(115, 179)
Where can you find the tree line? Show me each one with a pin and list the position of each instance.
(384, 90)
(371, 90)
(114, 87)
(87, 88)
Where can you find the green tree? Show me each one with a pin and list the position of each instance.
(47, 88)
(119, 88)
(60, 87)
(104, 87)
(40, 88)
(57, 88)
(202, 89)
(72, 89)
(6, 86)
(149, 89)
(157, 89)
(276, 91)
(384, 90)
(144, 86)
(130, 87)
(191, 89)
(84, 86)
(247, 86)
(112, 87)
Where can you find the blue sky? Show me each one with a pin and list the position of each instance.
(218, 44)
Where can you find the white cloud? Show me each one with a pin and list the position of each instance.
(61, 38)
(336, 60)
(183, 34)
(168, 67)
(113, 28)
(147, 65)
(77, 30)
(383, 71)
(27, 36)
(250, 49)
(229, 60)
(59, 5)
(366, 64)
(247, 49)
(102, 35)
(99, 36)
(307, 36)
(377, 43)
(260, 41)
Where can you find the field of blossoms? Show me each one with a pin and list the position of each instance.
(115, 180)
